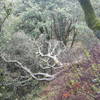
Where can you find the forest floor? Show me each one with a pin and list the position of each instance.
(75, 82)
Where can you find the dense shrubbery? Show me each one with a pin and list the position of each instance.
(35, 17)
(37, 41)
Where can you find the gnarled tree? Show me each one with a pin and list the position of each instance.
(92, 20)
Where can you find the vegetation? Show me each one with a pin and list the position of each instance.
(92, 21)
(47, 52)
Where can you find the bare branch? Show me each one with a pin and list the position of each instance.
(46, 76)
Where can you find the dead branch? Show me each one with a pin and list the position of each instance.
(46, 76)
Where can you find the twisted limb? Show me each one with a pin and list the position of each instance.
(92, 20)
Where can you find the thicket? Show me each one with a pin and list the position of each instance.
(37, 39)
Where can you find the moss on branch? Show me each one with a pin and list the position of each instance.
(92, 20)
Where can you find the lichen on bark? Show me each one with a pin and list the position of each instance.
(92, 20)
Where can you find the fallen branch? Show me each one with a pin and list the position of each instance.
(47, 77)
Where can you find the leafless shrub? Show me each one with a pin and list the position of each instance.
(38, 58)
(62, 28)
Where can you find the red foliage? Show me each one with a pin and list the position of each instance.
(66, 94)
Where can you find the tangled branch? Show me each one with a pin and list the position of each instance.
(33, 75)
(48, 60)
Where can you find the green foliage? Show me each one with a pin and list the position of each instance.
(3, 91)
(35, 16)
(6, 9)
